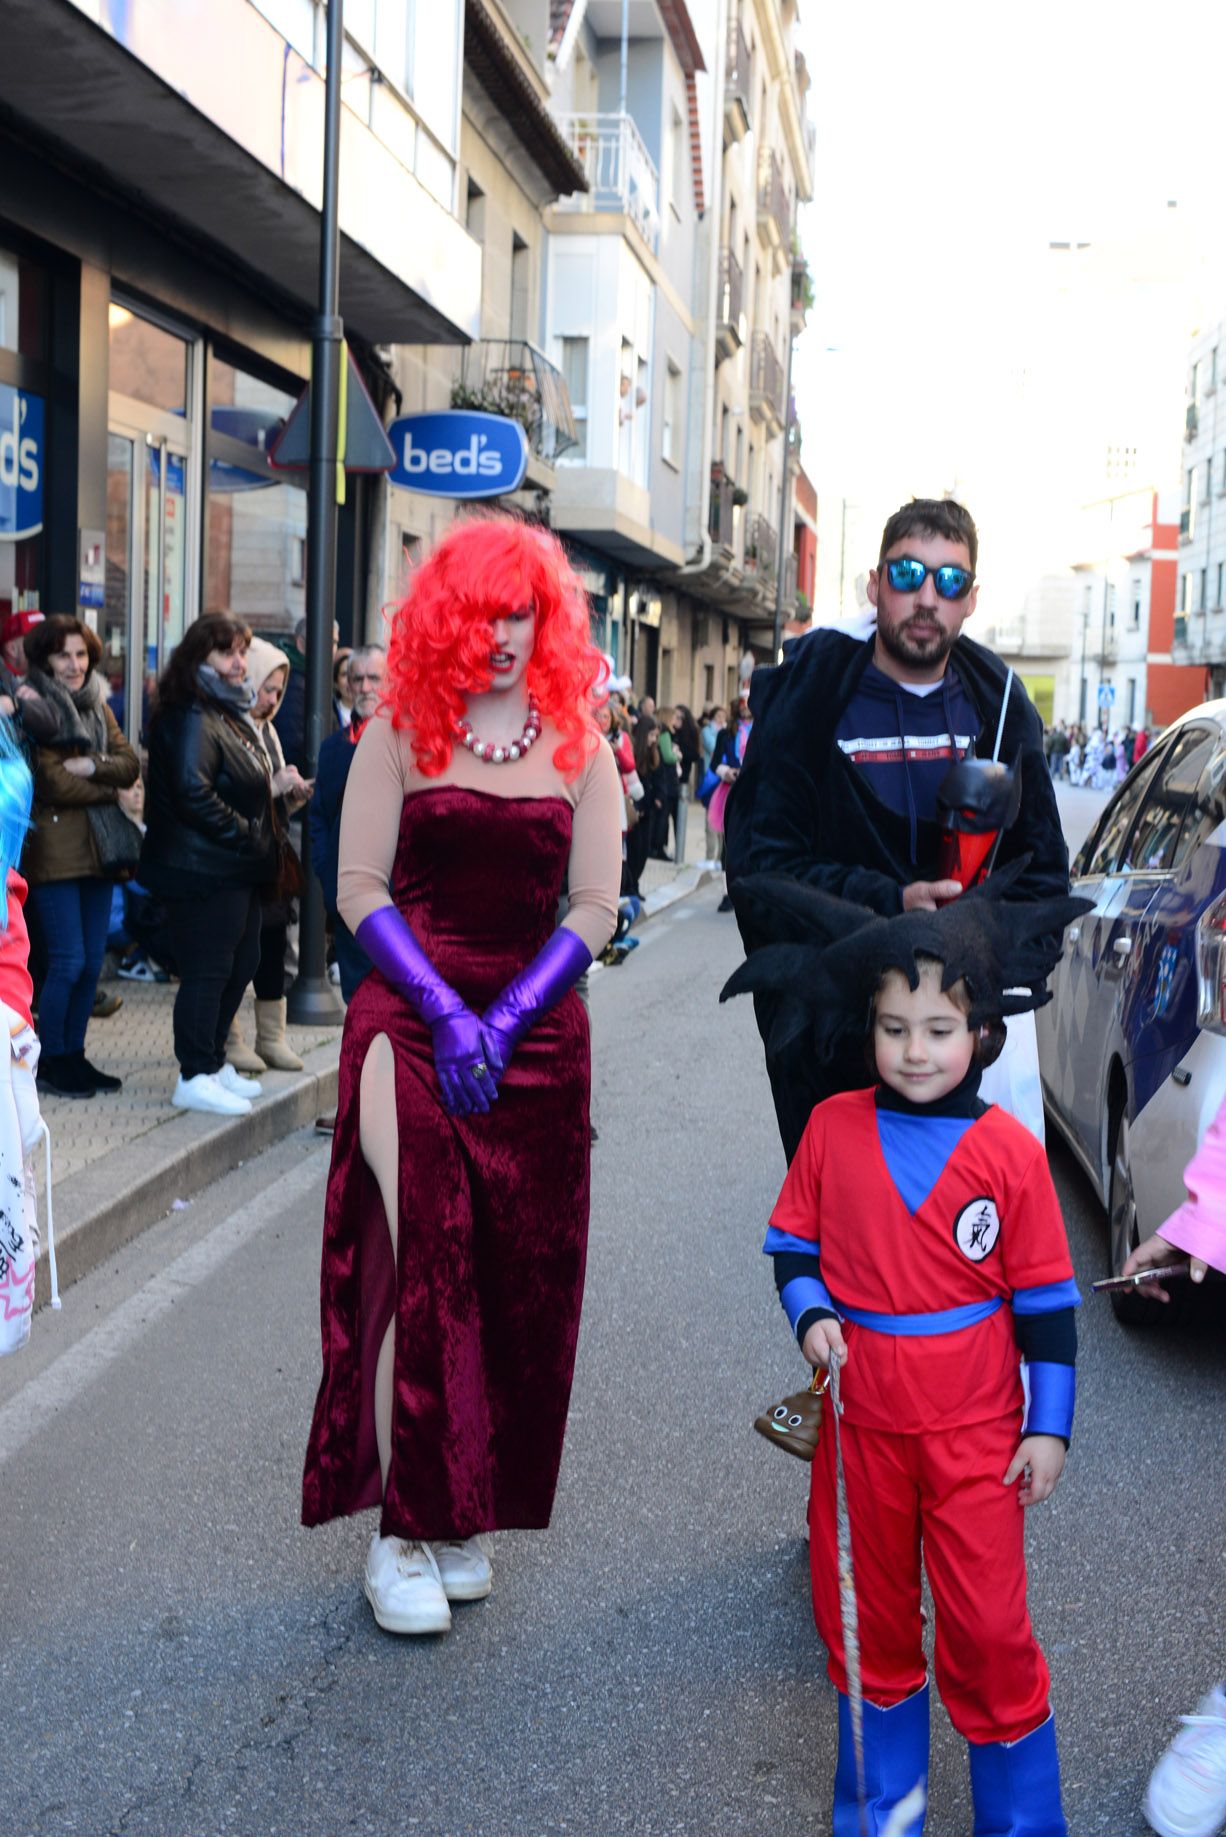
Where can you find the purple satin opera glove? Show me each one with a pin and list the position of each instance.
(465, 1079)
(553, 971)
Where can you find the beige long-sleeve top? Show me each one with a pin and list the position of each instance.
(384, 773)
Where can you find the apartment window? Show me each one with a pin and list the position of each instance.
(1111, 607)
(474, 212)
(725, 426)
(1136, 613)
(519, 286)
(1213, 368)
(677, 150)
(574, 371)
(1204, 589)
(1194, 385)
(1130, 717)
(670, 444)
(1218, 596)
(1185, 594)
(1204, 496)
(384, 29)
(708, 684)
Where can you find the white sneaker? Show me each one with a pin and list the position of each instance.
(204, 1092)
(1186, 1796)
(239, 1082)
(403, 1586)
(465, 1568)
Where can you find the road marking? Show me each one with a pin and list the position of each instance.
(63, 1381)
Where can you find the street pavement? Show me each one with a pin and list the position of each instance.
(181, 1658)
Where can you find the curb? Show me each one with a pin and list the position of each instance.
(121, 1195)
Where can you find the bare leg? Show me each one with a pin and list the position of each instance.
(379, 1140)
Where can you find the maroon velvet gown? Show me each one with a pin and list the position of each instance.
(493, 1209)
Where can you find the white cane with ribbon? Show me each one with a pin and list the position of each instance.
(848, 1613)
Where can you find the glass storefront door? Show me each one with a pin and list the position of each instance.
(152, 544)
(146, 574)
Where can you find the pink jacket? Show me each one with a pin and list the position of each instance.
(1199, 1226)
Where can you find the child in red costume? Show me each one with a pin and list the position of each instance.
(918, 1241)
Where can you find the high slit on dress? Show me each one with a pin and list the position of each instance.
(487, 1283)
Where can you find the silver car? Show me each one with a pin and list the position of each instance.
(1132, 1048)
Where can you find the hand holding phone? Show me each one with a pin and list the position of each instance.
(1144, 1278)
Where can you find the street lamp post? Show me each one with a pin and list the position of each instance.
(312, 998)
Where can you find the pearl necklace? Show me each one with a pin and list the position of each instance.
(486, 751)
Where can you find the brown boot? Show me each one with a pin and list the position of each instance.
(270, 1040)
(239, 1054)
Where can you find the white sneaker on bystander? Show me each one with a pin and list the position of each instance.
(1186, 1796)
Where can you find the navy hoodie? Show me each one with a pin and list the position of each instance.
(904, 743)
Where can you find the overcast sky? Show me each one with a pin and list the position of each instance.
(951, 347)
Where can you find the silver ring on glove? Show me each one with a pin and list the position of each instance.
(480, 1069)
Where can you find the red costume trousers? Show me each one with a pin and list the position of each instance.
(942, 1491)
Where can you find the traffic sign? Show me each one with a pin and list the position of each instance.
(1106, 694)
(365, 446)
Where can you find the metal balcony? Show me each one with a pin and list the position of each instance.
(729, 312)
(618, 168)
(765, 384)
(511, 377)
(774, 212)
(737, 70)
(761, 547)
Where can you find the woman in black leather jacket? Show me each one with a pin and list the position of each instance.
(209, 850)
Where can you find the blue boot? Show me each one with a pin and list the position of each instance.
(895, 1761)
(1015, 1786)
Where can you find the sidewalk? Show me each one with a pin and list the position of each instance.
(121, 1162)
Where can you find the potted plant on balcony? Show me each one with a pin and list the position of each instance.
(740, 497)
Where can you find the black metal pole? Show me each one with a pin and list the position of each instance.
(312, 998)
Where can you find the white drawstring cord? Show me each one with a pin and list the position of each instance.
(51, 1269)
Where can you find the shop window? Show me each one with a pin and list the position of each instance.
(147, 363)
(23, 306)
(255, 533)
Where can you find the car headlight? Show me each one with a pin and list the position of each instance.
(1211, 967)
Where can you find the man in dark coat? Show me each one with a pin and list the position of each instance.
(850, 742)
(290, 718)
(366, 667)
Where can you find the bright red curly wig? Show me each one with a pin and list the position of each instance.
(439, 643)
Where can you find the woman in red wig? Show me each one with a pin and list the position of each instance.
(455, 1231)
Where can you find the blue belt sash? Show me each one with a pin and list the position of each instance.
(909, 1326)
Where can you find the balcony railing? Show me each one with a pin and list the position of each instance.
(729, 311)
(737, 71)
(618, 168)
(511, 377)
(774, 216)
(765, 382)
(761, 547)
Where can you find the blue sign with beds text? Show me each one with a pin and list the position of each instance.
(21, 463)
(458, 453)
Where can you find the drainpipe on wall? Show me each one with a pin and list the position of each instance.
(714, 217)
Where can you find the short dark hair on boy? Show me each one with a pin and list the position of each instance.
(931, 517)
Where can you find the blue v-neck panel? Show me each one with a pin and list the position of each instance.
(916, 1149)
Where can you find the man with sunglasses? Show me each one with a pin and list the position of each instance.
(851, 740)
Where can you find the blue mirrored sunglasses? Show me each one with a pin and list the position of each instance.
(907, 575)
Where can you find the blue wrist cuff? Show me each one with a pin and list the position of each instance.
(801, 1294)
(1051, 1394)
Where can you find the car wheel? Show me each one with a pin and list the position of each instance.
(1124, 1234)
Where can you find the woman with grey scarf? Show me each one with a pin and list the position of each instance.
(210, 849)
(82, 762)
